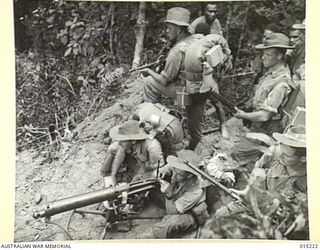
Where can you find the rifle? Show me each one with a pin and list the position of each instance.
(158, 62)
(224, 101)
(119, 72)
(82, 200)
(240, 74)
(214, 182)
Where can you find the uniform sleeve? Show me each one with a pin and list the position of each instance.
(155, 154)
(276, 98)
(173, 64)
(189, 200)
(266, 158)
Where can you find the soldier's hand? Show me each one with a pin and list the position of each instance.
(228, 179)
(164, 186)
(240, 113)
(240, 192)
(207, 69)
(145, 71)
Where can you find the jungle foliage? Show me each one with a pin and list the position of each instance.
(65, 52)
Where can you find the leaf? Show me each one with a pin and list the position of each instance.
(75, 51)
(80, 78)
(68, 23)
(64, 40)
(68, 51)
(79, 24)
(95, 62)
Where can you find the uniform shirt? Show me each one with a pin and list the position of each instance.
(215, 27)
(147, 153)
(174, 67)
(282, 178)
(186, 194)
(296, 58)
(271, 95)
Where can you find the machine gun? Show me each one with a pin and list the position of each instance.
(121, 192)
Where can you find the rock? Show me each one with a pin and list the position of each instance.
(38, 198)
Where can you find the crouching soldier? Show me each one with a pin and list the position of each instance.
(158, 122)
(130, 139)
(185, 197)
(281, 170)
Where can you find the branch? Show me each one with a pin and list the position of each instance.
(69, 83)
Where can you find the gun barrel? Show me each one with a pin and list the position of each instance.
(224, 101)
(70, 203)
(82, 200)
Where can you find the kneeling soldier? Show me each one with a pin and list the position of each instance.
(130, 139)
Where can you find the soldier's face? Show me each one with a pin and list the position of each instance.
(296, 38)
(126, 144)
(211, 12)
(179, 175)
(172, 32)
(270, 57)
(287, 150)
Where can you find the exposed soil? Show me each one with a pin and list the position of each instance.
(49, 175)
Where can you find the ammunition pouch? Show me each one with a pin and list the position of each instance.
(200, 213)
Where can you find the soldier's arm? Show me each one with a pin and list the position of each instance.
(256, 116)
(155, 154)
(118, 160)
(157, 77)
(171, 69)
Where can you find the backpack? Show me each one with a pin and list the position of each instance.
(159, 123)
(196, 54)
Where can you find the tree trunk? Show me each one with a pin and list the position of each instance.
(140, 31)
(111, 30)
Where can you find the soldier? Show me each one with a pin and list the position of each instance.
(281, 170)
(172, 79)
(296, 57)
(296, 99)
(270, 96)
(130, 139)
(201, 79)
(185, 198)
(159, 122)
(210, 18)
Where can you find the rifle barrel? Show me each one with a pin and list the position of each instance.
(213, 181)
(224, 101)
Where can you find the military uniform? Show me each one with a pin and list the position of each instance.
(169, 131)
(271, 95)
(279, 178)
(147, 153)
(174, 73)
(186, 195)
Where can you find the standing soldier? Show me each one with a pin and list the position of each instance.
(172, 79)
(296, 57)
